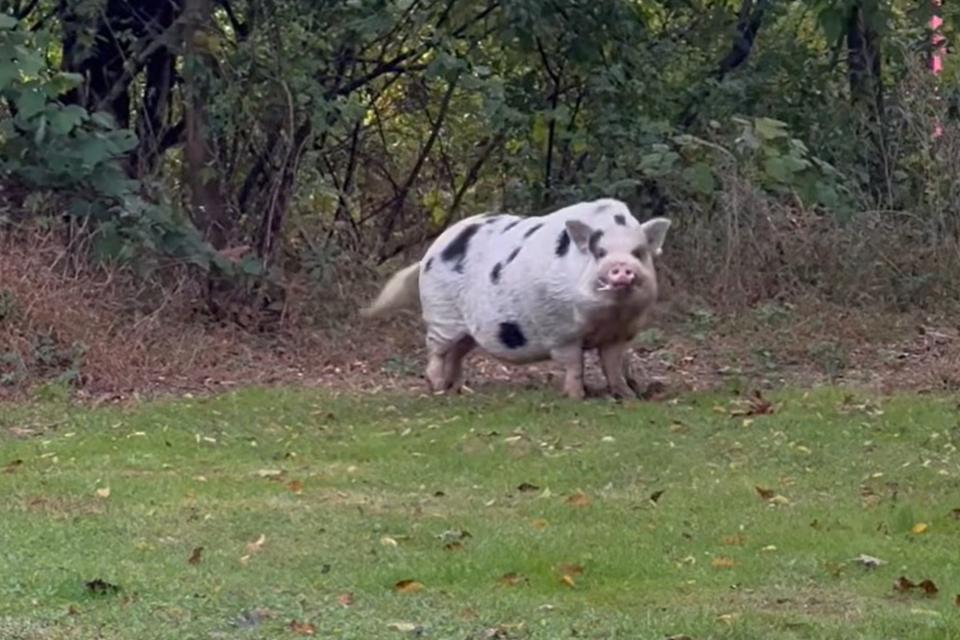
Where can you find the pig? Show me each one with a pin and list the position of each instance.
(529, 289)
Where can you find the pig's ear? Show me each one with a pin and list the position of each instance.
(580, 234)
(656, 232)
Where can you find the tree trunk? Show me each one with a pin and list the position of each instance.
(866, 94)
(200, 172)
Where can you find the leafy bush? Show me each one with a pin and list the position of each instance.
(48, 145)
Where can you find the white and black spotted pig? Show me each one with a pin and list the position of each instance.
(529, 289)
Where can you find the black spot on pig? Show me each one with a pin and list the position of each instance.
(597, 251)
(495, 273)
(511, 225)
(513, 254)
(563, 244)
(456, 251)
(620, 219)
(532, 230)
(429, 264)
(511, 336)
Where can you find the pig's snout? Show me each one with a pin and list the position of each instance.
(619, 276)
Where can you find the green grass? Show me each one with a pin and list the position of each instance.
(856, 478)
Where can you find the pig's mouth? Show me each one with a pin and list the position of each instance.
(605, 285)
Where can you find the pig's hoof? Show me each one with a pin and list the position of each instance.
(623, 393)
(575, 393)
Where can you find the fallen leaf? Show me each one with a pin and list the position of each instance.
(72, 611)
(733, 541)
(103, 492)
(100, 587)
(903, 584)
(387, 541)
(345, 599)
(512, 579)
(454, 535)
(11, 466)
(721, 562)
(727, 618)
(765, 494)
(956, 601)
(955, 513)
(454, 546)
(568, 581)
(408, 586)
(526, 486)
(269, 473)
(256, 545)
(539, 523)
(929, 588)
(869, 561)
(920, 527)
(756, 405)
(578, 499)
(302, 628)
(571, 569)
(405, 627)
(194, 558)
(655, 496)
(295, 486)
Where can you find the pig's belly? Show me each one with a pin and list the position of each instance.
(511, 343)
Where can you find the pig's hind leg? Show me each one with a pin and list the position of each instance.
(445, 360)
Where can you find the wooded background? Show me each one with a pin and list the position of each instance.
(791, 142)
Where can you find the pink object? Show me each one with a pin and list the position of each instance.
(936, 55)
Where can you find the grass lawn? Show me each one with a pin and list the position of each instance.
(585, 520)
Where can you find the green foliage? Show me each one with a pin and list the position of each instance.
(54, 146)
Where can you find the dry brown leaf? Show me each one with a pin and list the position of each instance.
(903, 584)
(920, 527)
(408, 586)
(733, 541)
(72, 611)
(256, 545)
(579, 499)
(453, 546)
(269, 473)
(955, 514)
(345, 599)
(756, 405)
(568, 581)
(195, 556)
(103, 492)
(765, 494)
(929, 588)
(655, 496)
(512, 579)
(571, 569)
(721, 562)
(295, 486)
(956, 601)
(526, 486)
(539, 523)
(302, 628)
(11, 466)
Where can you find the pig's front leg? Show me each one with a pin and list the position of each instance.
(611, 361)
(571, 357)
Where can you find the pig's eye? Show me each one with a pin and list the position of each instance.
(599, 253)
(639, 253)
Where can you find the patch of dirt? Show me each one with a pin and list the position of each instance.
(808, 602)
